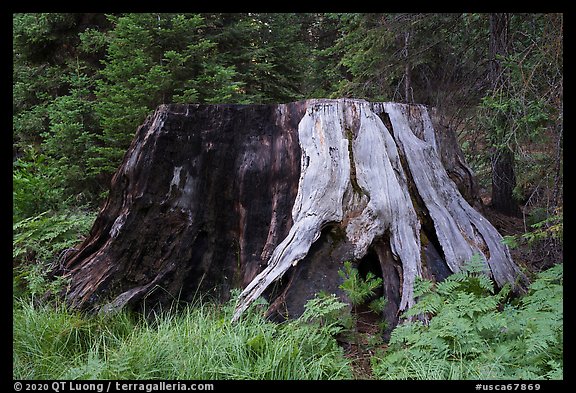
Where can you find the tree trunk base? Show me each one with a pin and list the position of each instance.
(273, 199)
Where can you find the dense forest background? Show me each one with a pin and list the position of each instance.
(84, 82)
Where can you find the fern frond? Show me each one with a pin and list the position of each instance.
(485, 283)
(321, 307)
(422, 286)
(492, 325)
(447, 286)
(402, 334)
(470, 336)
(504, 292)
(476, 264)
(430, 303)
(460, 276)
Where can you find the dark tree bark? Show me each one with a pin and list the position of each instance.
(504, 182)
(498, 47)
(273, 199)
(503, 173)
(408, 96)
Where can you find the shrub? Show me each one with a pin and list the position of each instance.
(33, 188)
(358, 289)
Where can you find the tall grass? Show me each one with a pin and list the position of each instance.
(198, 343)
(49, 341)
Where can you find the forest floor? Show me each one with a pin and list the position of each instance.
(366, 340)
(531, 259)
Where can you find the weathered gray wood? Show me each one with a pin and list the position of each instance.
(354, 184)
(382, 178)
(324, 176)
(365, 189)
(461, 230)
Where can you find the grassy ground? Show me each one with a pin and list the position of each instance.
(474, 332)
(198, 343)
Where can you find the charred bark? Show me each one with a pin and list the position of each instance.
(273, 199)
(203, 194)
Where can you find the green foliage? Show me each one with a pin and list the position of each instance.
(377, 305)
(43, 35)
(47, 233)
(83, 82)
(52, 102)
(151, 59)
(37, 243)
(50, 343)
(474, 334)
(458, 289)
(327, 312)
(71, 138)
(379, 54)
(523, 109)
(268, 51)
(199, 342)
(551, 227)
(543, 231)
(33, 188)
(358, 289)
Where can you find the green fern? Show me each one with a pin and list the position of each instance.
(474, 334)
(475, 265)
(37, 244)
(422, 286)
(358, 289)
(448, 286)
(328, 312)
(428, 304)
(44, 235)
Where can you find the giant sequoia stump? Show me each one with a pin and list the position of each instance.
(273, 199)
